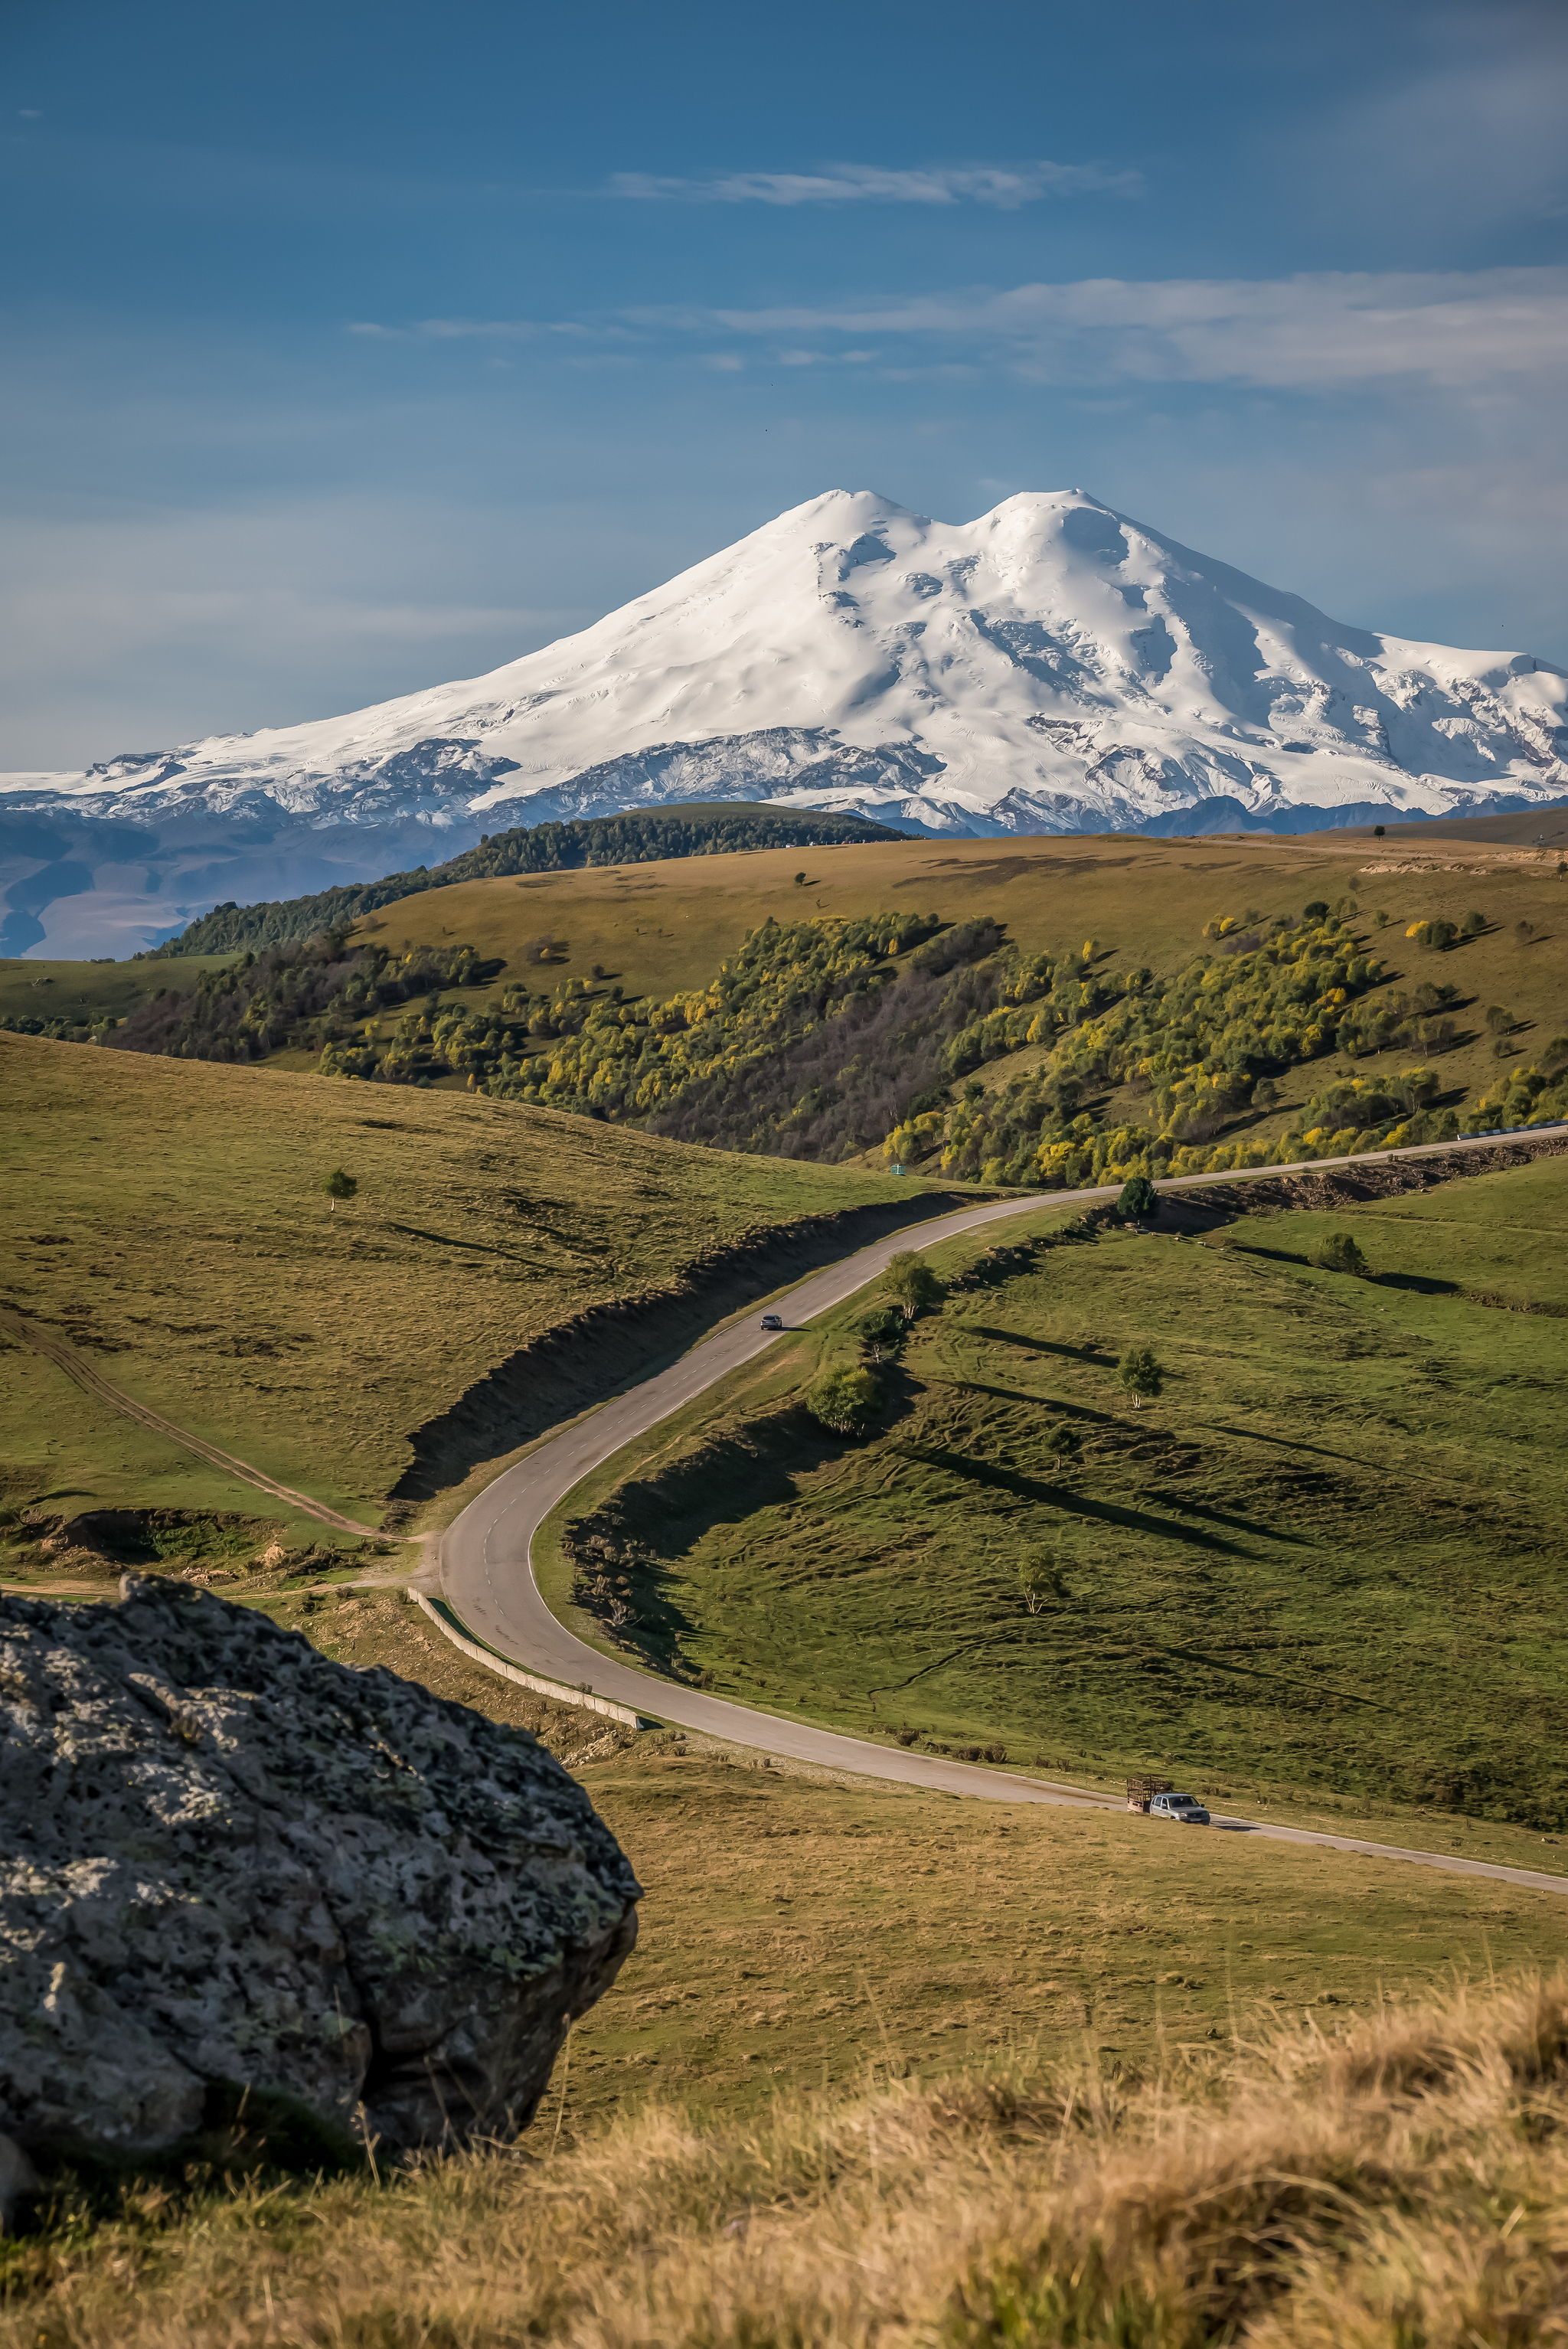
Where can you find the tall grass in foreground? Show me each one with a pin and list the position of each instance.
(1402, 2186)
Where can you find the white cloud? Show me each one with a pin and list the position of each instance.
(1456, 329)
(841, 183)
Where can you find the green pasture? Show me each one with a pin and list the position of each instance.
(168, 1218)
(1326, 1563)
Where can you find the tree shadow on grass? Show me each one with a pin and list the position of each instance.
(1294, 1443)
(1037, 1345)
(1069, 1497)
(1222, 1518)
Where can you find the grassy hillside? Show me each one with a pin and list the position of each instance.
(472, 985)
(692, 828)
(1392, 2178)
(73, 998)
(1326, 1558)
(1276, 1031)
(168, 1217)
(789, 1919)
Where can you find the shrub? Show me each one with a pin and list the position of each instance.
(1139, 1200)
(1339, 1253)
(1141, 1373)
(912, 1283)
(879, 1331)
(844, 1400)
(1316, 912)
(1472, 926)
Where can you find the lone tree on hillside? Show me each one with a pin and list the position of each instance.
(912, 1283)
(339, 1186)
(1064, 1444)
(1139, 1200)
(1039, 1581)
(843, 1400)
(1141, 1373)
(1339, 1253)
(1318, 911)
(879, 1331)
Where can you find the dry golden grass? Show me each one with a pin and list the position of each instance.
(1403, 2185)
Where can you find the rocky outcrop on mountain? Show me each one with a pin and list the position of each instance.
(229, 1863)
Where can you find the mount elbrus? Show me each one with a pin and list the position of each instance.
(1053, 666)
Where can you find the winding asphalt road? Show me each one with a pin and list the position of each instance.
(487, 1568)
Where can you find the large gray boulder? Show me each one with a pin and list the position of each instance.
(226, 1861)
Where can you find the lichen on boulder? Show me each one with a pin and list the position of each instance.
(228, 1862)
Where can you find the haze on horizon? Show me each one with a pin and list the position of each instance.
(348, 354)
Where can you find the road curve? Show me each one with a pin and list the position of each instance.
(486, 1567)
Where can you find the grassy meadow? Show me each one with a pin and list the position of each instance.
(1326, 1562)
(168, 1218)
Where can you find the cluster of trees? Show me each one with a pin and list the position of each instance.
(1392, 1110)
(1198, 1050)
(1439, 935)
(537, 848)
(304, 994)
(804, 1045)
(847, 1396)
(1421, 1022)
(822, 1037)
(59, 1031)
(1533, 1095)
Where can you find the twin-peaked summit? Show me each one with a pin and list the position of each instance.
(1053, 666)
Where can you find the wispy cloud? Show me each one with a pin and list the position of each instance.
(1005, 187)
(1461, 330)
(1310, 333)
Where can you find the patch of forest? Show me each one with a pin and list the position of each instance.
(635, 839)
(303, 994)
(824, 1039)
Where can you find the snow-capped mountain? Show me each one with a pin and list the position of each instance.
(1053, 666)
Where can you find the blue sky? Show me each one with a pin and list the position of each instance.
(348, 350)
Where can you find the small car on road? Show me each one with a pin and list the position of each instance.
(771, 1321)
(1185, 1809)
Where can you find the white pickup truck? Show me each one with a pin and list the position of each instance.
(1185, 1809)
